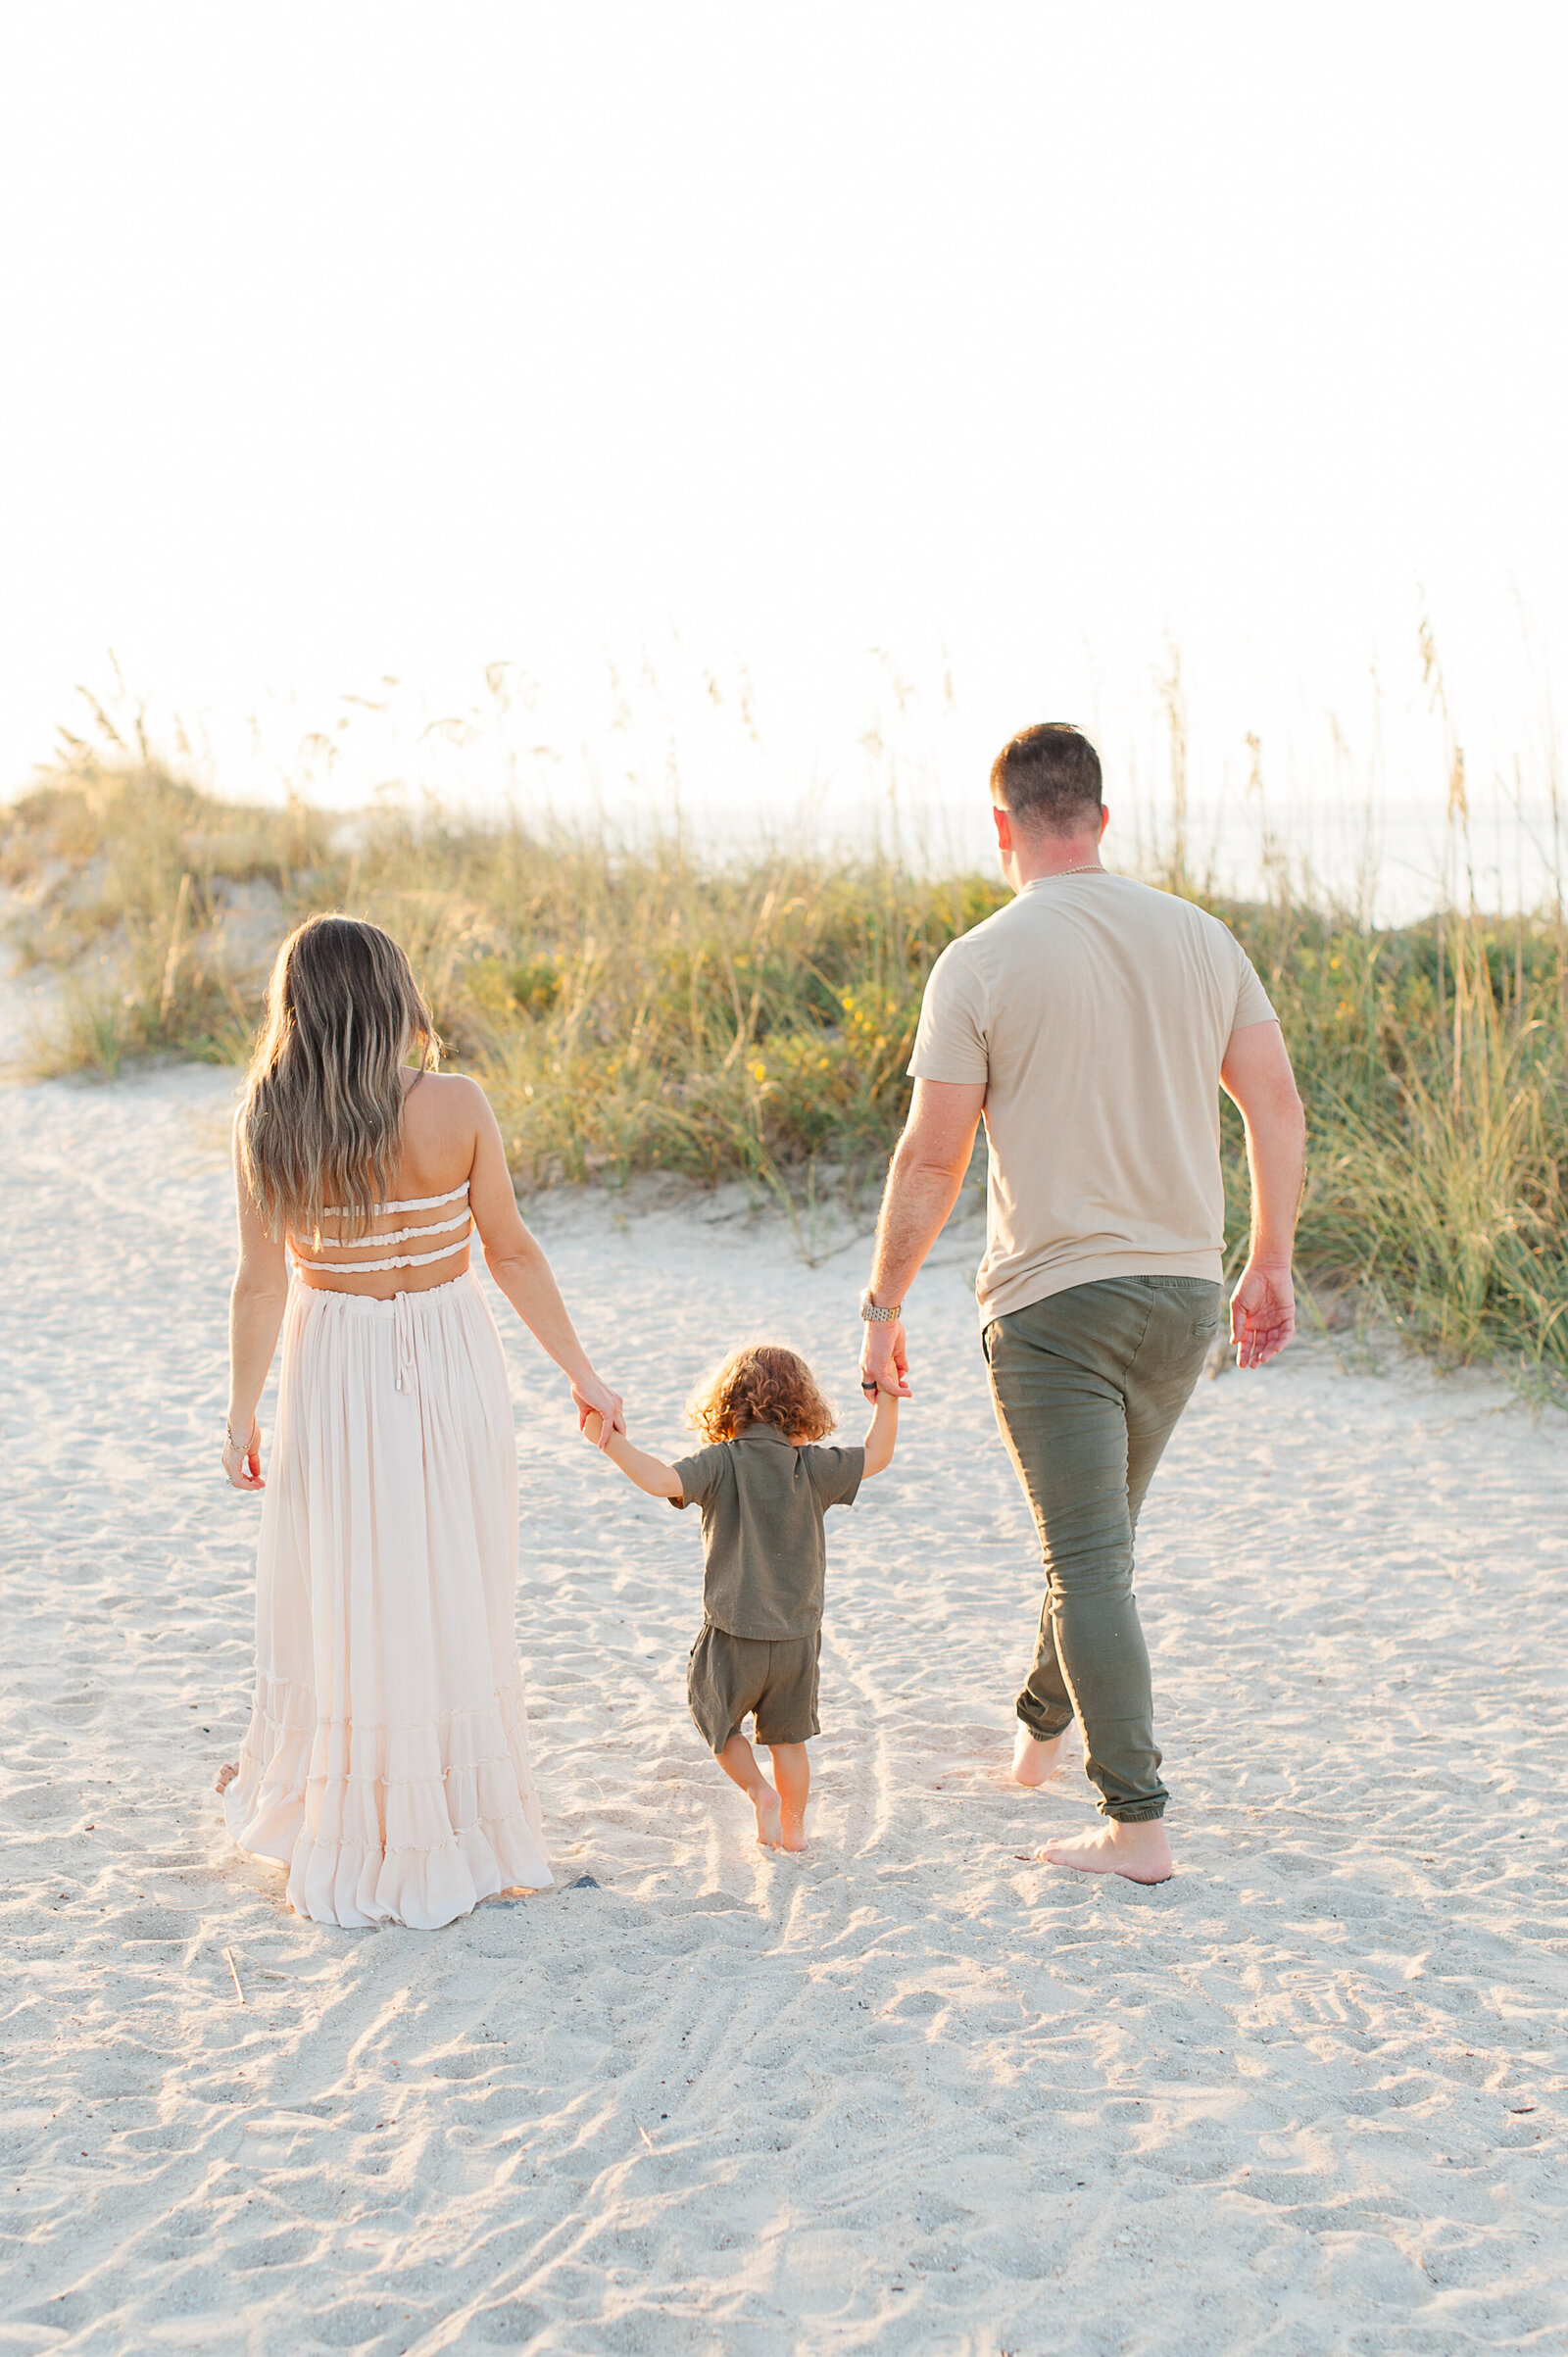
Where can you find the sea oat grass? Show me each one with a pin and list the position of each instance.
(1431, 1061)
(631, 1009)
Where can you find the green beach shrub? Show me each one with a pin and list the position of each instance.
(632, 1009)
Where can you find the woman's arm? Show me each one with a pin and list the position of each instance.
(520, 1267)
(882, 1434)
(255, 1314)
(650, 1473)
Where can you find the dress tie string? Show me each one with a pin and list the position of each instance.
(403, 1338)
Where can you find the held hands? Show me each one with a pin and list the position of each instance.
(244, 1465)
(599, 1410)
(650, 1473)
(885, 1361)
(1262, 1314)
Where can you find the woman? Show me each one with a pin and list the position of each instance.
(387, 1761)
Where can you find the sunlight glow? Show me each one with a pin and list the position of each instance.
(757, 383)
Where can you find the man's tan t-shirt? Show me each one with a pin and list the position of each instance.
(1096, 1011)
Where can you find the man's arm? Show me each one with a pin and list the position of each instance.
(1256, 1073)
(924, 1182)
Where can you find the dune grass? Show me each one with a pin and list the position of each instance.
(633, 1009)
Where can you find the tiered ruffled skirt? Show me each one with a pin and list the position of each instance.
(387, 1759)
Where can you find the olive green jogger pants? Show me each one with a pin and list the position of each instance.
(1088, 1386)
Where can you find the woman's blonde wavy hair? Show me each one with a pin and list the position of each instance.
(760, 1383)
(321, 1124)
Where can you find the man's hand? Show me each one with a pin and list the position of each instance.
(1262, 1313)
(885, 1361)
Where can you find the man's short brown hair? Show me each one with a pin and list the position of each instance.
(1048, 776)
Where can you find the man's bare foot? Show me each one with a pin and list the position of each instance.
(793, 1830)
(1140, 1851)
(227, 1776)
(1033, 1760)
(769, 1831)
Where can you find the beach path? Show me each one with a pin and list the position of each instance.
(911, 2091)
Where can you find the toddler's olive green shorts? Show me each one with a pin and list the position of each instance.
(728, 1675)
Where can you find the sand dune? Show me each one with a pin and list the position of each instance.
(910, 2093)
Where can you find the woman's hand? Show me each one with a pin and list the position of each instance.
(591, 1398)
(244, 1465)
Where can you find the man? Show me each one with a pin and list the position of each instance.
(1092, 1023)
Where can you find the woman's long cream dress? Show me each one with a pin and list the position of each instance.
(387, 1765)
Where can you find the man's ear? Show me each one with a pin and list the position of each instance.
(1004, 825)
(1104, 822)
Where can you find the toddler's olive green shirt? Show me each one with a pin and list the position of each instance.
(762, 1499)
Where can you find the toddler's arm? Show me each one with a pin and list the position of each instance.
(879, 1440)
(650, 1473)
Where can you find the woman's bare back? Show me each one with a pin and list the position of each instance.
(425, 1221)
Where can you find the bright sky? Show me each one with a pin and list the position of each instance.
(858, 346)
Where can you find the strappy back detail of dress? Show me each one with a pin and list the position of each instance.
(428, 1227)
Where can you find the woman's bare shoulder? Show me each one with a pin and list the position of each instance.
(445, 1087)
(442, 1104)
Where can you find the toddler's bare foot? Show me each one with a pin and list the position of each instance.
(1142, 1853)
(227, 1776)
(793, 1830)
(1033, 1760)
(770, 1830)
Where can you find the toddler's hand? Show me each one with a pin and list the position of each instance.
(594, 1400)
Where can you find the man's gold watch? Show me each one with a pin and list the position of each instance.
(873, 1314)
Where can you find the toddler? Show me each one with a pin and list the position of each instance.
(763, 1483)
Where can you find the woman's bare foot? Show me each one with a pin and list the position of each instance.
(769, 1831)
(1033, 1760)
(1142, 1853)
(227, 1776)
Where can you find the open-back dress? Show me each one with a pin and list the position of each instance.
(387, 1765)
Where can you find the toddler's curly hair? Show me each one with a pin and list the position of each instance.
(760, 1383)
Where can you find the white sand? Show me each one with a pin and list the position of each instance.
(907, 2093)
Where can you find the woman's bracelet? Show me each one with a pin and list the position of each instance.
(229, 1440)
